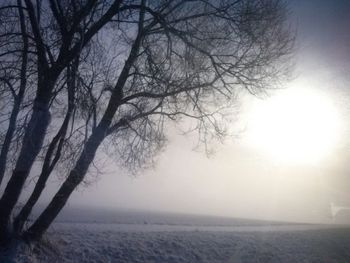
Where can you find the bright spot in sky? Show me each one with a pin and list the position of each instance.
(297, 126)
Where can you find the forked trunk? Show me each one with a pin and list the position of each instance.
(74, 179)
(52, 156)
(100, 132)
(32, 143)
(51, 159)
(22, 217)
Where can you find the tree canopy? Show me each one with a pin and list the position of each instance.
(75, 74)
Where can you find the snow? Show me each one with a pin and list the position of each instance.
(238, 242)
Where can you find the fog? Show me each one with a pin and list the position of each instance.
(239, 180)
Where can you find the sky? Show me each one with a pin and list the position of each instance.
(291, 169)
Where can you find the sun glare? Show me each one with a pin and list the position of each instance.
(295, 127)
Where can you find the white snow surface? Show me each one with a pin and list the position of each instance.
(154, 241)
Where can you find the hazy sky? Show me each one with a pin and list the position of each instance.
(244, 178)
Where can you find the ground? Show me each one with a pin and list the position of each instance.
(99, 242)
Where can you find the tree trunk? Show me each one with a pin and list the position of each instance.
(40, 185)
(75, 177)
(47, 168)
(79, 171)
(32, 143)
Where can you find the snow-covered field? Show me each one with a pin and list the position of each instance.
(199, 241)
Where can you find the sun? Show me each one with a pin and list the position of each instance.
(297, 126)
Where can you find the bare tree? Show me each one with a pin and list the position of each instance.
(184, 59)
(55, 49)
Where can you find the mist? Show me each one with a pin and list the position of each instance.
(238, 180)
